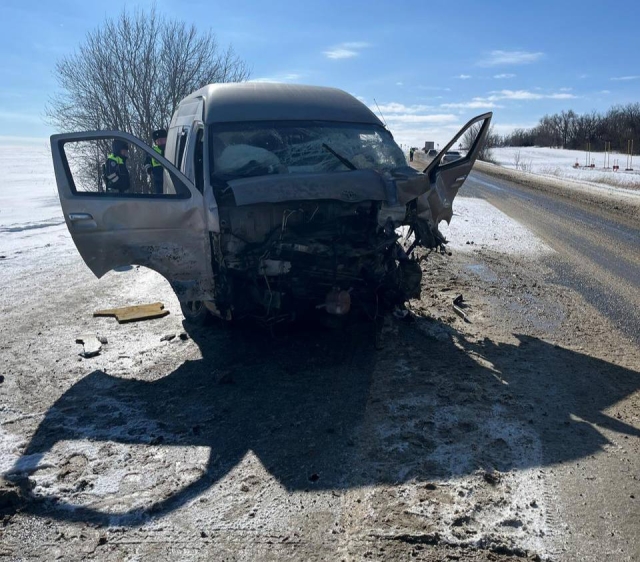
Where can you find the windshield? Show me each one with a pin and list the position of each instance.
(260, 148)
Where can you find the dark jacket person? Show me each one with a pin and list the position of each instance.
(116, 174)
(153, 167)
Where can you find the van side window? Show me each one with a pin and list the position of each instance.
(180, 146)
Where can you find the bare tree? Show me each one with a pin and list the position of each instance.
(491, 141)
(129, 75)
(131, 72)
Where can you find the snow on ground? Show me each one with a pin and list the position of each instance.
(30, 215)
(559, 163)
(477, 223)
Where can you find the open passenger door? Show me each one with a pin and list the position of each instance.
(164, 231)
(430, 195)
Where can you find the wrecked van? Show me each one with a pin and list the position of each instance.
(277, 200)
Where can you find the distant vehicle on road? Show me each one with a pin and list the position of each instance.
(451, 156)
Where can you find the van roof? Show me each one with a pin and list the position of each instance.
(260, 101)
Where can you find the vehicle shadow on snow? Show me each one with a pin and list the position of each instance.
(326, 410)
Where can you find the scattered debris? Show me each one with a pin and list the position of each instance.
(314, 477)
(167, 337)
(492, 478)
(183, 336)
(92, 345)
(458, 303)
(134, 313)
(1, 379)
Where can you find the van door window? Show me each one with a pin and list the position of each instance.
(111, 166)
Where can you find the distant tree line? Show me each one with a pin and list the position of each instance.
(569, 129)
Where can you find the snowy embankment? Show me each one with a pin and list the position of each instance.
(551, 171)
(560, 163)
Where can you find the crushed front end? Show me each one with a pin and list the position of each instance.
(310, 219)
(278, 260)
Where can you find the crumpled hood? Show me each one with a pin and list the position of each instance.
(350, 187)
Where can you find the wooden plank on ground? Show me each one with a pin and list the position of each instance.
(135, 313)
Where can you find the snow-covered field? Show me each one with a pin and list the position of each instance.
(30, 216)
(559, 163)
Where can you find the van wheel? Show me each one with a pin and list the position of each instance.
(195, 313)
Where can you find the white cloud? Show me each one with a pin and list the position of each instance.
(527, 95)
(604, 92)
(399, 84)
(489, 102)
(284, 77)
(498, 57)
(394, 107)
(476, 103)
(346, 50)
(413, 118)
(464, 76)
(416, 134)
(621, 78)
(502, 76)
(566, 89)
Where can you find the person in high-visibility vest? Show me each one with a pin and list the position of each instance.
(116, 174)
(153, 167)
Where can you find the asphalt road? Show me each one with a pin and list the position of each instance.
(512, 434)
(596, 255)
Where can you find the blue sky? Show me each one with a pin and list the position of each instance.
(429, 65)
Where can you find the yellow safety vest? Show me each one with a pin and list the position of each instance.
(154, 162)
(115, 158)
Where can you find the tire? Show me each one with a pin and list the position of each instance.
(195, 313)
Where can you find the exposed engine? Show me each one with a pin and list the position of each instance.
(285, 259)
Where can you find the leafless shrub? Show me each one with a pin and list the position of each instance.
(516, 159)
(527, 166)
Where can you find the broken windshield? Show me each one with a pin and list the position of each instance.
(261, 148)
